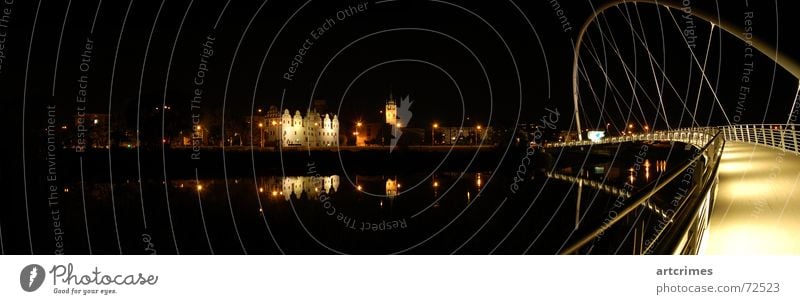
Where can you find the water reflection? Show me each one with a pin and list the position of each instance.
(310, 186)
(391, 188)
(609, 189)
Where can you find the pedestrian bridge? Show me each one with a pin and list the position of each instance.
(744, 201)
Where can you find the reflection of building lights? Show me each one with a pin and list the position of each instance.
(199, 187)
(358, 187)
(274, 193)
(358, 124)
(96, 121)
(261, 189)
(260, 210)
(436, 184)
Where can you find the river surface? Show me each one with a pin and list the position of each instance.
(536, 204)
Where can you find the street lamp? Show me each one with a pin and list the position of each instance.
(433, 133)
(358, 130)
(199, 131)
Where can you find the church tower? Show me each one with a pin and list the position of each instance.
(391, 111)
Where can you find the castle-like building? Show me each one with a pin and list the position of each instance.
(311, 130)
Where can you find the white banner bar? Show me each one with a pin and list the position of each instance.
(398, 279)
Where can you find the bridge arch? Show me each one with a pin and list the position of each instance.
(782, 60)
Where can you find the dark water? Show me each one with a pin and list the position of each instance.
(416, 211)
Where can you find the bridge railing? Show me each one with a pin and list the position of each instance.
(681, 231)
(695, 136)
(781, 136)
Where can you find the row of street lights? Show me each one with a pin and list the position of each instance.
(436, 126)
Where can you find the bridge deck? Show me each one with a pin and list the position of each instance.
(758, 203)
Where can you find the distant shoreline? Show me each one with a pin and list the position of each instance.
(240, 160)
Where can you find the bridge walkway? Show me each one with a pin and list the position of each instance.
(757, 210)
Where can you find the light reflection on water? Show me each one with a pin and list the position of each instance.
(310, 187)
(252, 211)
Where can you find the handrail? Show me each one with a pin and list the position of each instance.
(781, 136)
(645, 194)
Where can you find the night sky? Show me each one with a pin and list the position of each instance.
(400, 47)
